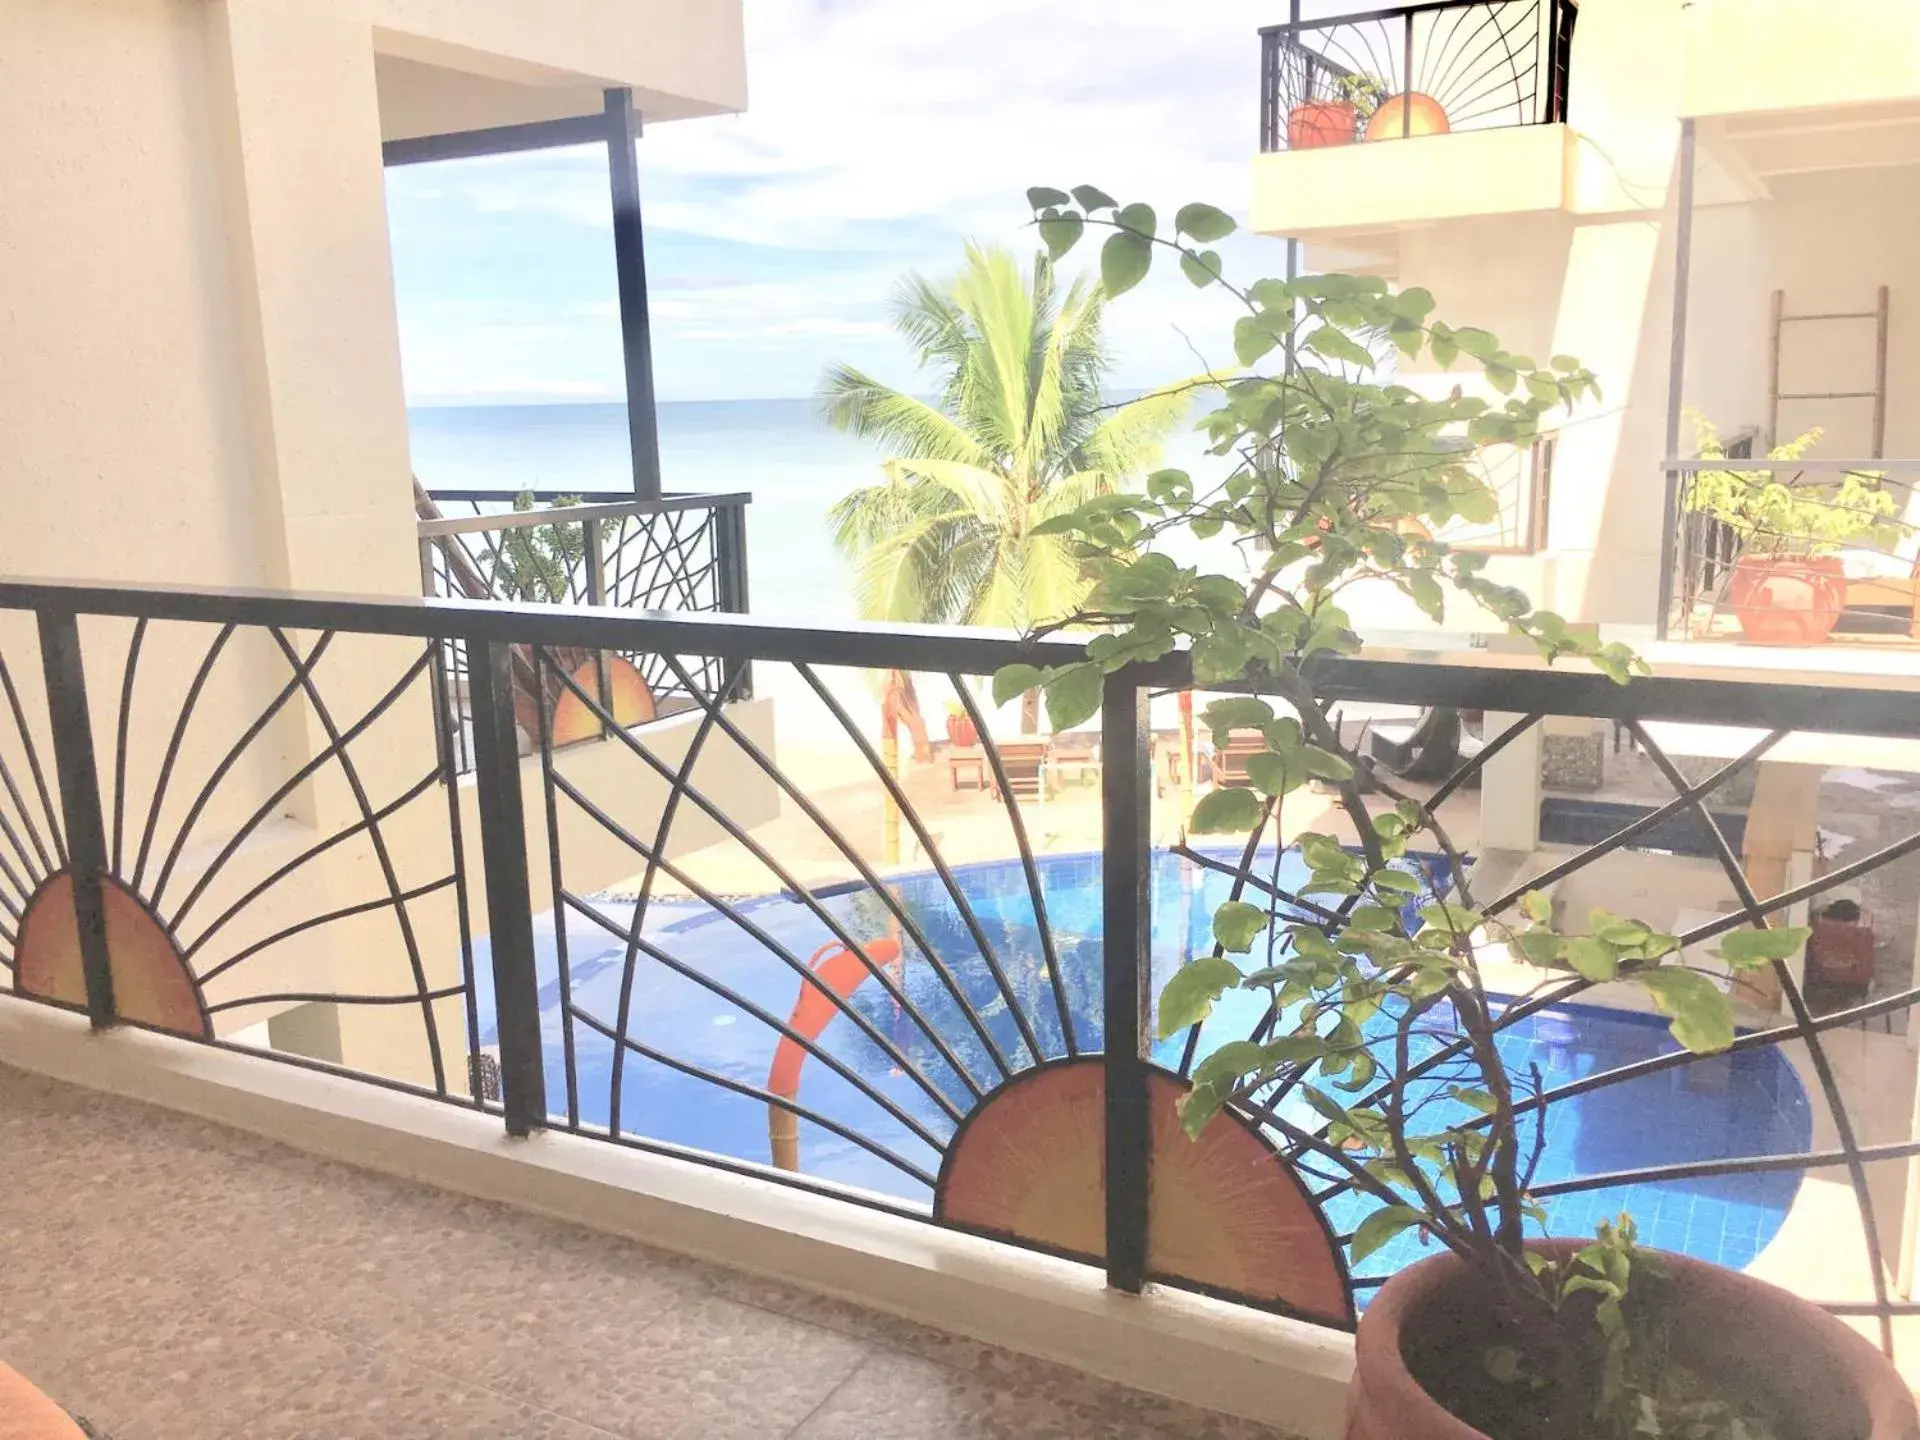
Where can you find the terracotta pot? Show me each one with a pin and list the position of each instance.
(962, 732)
(1411, 115)
(1752, 1337)
(1789, 599)
(1320, 123)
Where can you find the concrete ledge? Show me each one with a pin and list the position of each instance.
(1186, 1347)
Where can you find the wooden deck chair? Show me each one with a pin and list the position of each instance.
(1025, 763)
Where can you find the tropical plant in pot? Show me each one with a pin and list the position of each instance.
(1788, 586)
(961, 730)
(1337, 119)
(1379, 1015)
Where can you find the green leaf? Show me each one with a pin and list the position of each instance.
(1335, 345)
(1539, 947)
(1198, 1106)
(1170, 487)
(1124, 262)
(1702, 1019)
(1536, 907)
(1138, 218)
(1745, 948)
(1325, 765)
(1380, 1227)
(1042, 196)
(1480, 1100)
(1203, 222)
(1188, 997)
(1012, 680)
(1061, 233)
(1238, 712)
(1202, 269)
(1236, 925)
(1593, 959)
(1252, 338)
(1073, 694)
(1397, 881)
(1091, 197)
(1225, 1066)
(1271, 775)
(1224, 811)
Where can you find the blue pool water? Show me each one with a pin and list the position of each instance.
(1747, 1104)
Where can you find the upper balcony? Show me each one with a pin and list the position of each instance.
(1413, 114)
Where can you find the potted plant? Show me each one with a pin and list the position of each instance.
(1315, 124)
(1788, 586)
(962, 733)
(1381, 1016)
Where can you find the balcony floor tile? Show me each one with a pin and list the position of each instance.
(165, 1277)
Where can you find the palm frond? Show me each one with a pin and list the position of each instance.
(857, 404)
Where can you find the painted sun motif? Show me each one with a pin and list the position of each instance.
(632, 702)
(1226, 1214)
(151, 983)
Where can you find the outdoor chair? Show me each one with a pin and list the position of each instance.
(1025, 764)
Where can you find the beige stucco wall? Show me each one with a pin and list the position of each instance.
(200, 383)
(1751, 56)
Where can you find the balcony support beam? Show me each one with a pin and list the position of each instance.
(1676, 378)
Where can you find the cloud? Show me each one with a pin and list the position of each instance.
(879, 137)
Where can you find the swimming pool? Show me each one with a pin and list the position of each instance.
(916, 1061)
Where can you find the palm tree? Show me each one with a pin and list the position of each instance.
(1017, 434)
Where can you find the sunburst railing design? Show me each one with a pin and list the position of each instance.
(761, 934)
(1414, 70)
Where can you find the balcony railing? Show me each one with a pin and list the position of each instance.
(220, 808)
(1412, 70)
(684, 553)
(1806, 572)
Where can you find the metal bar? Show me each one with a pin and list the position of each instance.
(1831, 395)
(730, 557)
(557, 885)
(495, 140)
(1831, 315)
(85, 825)
(1126, 798)
(621, 127)
(611, 510)
(669, 500)
(503, 846)
(1676, 378)
(596, 567)
(1873, 465)
(1775, 319)
(1406, 86)
(1880, 317)
(1391, 12)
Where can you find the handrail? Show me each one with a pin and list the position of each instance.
(1452, 673)
(570, 514)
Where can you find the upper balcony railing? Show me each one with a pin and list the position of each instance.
(1791, 551)
(684, 553)
(1413, 70)
(216, 807)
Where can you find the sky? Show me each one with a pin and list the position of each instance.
(879, 137)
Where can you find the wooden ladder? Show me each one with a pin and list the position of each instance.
(1879, 392)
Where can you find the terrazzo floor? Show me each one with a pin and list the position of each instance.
(170, 1279)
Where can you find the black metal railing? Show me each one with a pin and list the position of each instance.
(685, 553)
(819, 963)
(1412, 70)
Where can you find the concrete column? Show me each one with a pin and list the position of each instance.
(1780, 825)
(1510, 789)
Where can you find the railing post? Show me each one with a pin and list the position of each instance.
(80, 812)
(1406, 92)
(1126, 795)
(592, 541)
(503, 846)
(730, 586)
